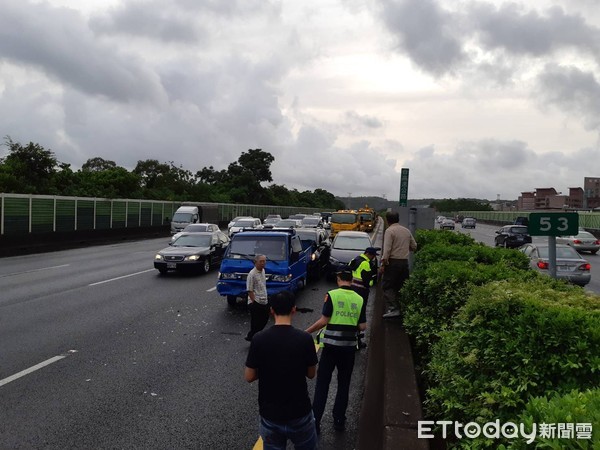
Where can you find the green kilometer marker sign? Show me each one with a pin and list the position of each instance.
(553, 224)
(404, 187)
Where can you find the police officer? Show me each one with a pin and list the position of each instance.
(364, 275)
(343, 313)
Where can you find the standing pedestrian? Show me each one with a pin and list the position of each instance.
(343, 314)
(256, 285)
(281, 358)
(398, 242)
(364, 275)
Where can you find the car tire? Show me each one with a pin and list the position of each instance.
(231, 300)
(593, 252)
(162, 271)
(506, 244)
(205, 265)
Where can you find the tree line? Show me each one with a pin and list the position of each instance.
(32, 169)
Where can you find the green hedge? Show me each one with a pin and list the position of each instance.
(575, 408)
(511, 341)
(430, 298)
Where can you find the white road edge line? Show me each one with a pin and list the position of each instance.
(36, 367)
(119, 278)
(34, 270)
(212, 289)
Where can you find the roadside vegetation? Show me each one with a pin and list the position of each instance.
(494, 340)
(32, 169)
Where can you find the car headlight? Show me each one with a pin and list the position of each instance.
(227, 276)
(281, 278)
(313, 257)
(192, 258)
(158, 257)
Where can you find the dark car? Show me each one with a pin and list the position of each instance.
(192, 252)
(317, 239)
(345, 247)
(521, 220)
(512, 236)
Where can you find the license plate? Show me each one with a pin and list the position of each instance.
(171, 265)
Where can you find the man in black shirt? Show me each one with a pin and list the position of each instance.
(281, 358)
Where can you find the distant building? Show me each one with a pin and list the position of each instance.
(591, 192)
(549, 198)
(526, 201)
(575, 200)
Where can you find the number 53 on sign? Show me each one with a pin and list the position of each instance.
(553, 224)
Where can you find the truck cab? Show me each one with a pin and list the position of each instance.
(345, 220)
(183, 217)
(286, 269)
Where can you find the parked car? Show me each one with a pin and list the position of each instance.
(312, 222)
(570, 265)
(287, 223)
(469, 222)
(245, 224)
(440, 219)
(345, 247)
(235, 219)
(192, 252)
(512, 236)
(317, 240)
(196, 228)
(582, 242)
(271, 220)
(447, 224)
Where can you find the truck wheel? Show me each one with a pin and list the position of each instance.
(231, 300)
(205, 265)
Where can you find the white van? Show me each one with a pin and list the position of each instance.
(183, 217)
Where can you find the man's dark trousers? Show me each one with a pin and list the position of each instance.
(333, 356)
(259, 316)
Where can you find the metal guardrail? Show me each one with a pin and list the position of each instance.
(587, 219)
(22, 214)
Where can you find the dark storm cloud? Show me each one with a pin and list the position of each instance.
(58, 42)
(435, 39)
(522, 32)
(144, 19)
(571, 90)
(426, 33)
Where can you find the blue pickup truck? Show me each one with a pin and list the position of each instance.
(287, 262)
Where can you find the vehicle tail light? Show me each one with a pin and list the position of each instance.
(576, 241)
(585, 267)
(597, 243)
(542, 265)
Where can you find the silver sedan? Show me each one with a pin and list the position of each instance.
(570, 265)
(582, 242)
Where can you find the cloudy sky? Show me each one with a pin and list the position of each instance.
(476, 98)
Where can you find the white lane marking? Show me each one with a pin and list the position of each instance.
(36, 367)
(212, 289)
(34, 270)
(119, 278)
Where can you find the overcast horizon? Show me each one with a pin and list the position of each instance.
(479, 99)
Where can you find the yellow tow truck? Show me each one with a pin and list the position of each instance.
(367, 217)
(344, 220)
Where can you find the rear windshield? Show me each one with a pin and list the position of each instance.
(343, 218)
(351, 242)
(561, 252)
(273, 247)
(519, 230)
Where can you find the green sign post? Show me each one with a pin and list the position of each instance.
(553, 224)
(404, 187)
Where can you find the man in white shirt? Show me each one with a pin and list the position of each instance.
(256, 285)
